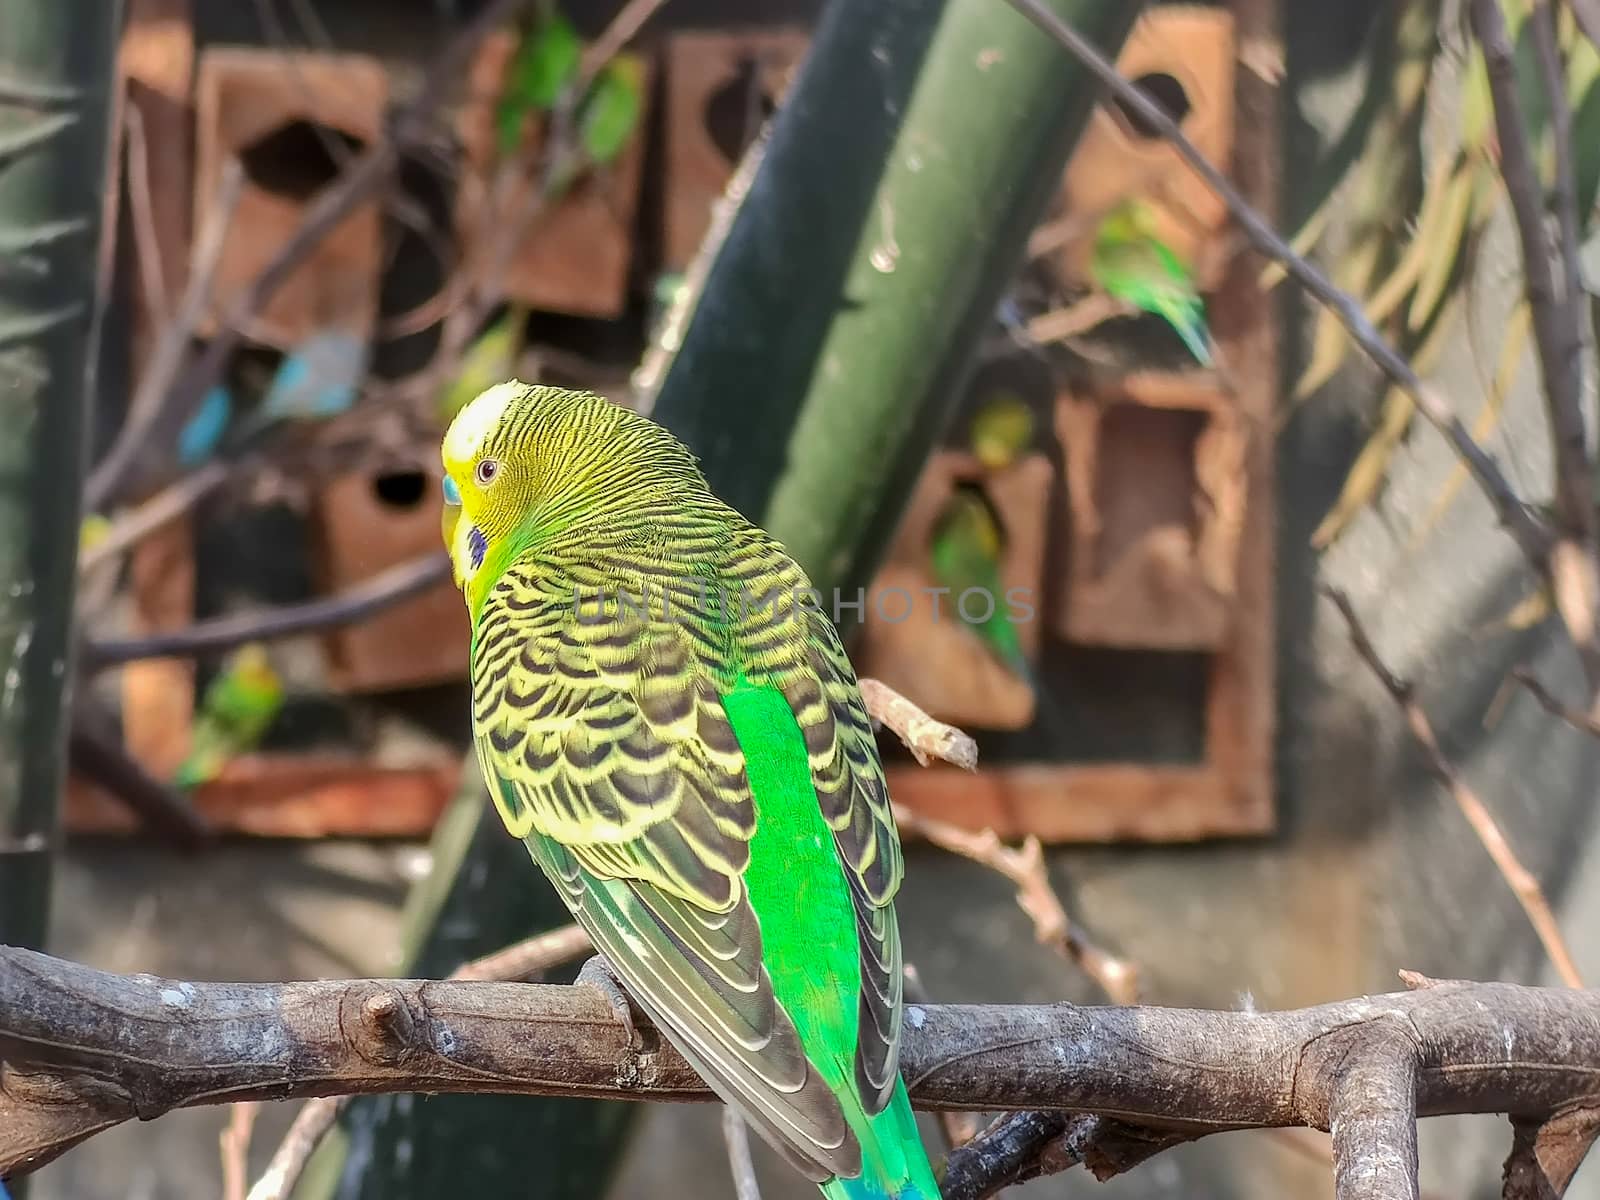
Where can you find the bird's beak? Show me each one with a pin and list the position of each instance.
(449, 518)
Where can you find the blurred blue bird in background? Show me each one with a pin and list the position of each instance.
(318, 380)
(203, 434)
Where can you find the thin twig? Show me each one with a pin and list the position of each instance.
(96, 752)
(931, 740)
(235, 1147)
(141, 210)
(526, 959)
(384, 590)
(1569, 226)
(529, 958)
(506, 214)
(740, 1163)
(170, 503)
(1521, 881)
(1059, 324)
(927, 739)
(623, 28)
(1573, 567)
(171, 351)
(1026, 869)
(1519, 519)
(310, 1125)
(1552, 704)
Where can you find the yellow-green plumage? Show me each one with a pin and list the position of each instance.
(1133, 264)
(967, 545)
(692, 765)
(1001, 430)
(238, 708)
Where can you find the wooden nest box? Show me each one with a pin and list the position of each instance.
(290, 118)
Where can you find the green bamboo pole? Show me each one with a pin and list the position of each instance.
(920, 145)
(57, 63)
(57, 67)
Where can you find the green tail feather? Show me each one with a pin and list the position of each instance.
(894, 1166)
(1187, 316)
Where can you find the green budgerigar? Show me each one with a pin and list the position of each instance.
(966, 550)
(677, 736)
(235, 713)
(1002, 429)
(1131, 263)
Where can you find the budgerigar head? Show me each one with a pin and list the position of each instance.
(525, 464)
(1001, 430)
(1130, 221)
(252, 664)
(248, 678)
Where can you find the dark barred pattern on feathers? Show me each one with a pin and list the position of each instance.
(599, 660)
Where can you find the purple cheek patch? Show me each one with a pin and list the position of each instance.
(478, 544)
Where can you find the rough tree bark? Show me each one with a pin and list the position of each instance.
(56, 77)
(83, 1050)
(481, 893)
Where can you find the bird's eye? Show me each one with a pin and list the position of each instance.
(487, 470)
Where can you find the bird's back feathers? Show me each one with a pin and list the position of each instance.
(680, 740)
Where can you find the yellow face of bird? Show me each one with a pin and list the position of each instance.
(527, 464)
(251, 665)
(475, 495)
(1132, 220)
(1001, 430)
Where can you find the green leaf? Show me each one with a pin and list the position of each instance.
(545, 64)
(610, 112)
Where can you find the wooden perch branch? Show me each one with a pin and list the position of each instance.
(1372, 1113)
(82, 1050)
(527, 959)
(1545, 1155)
